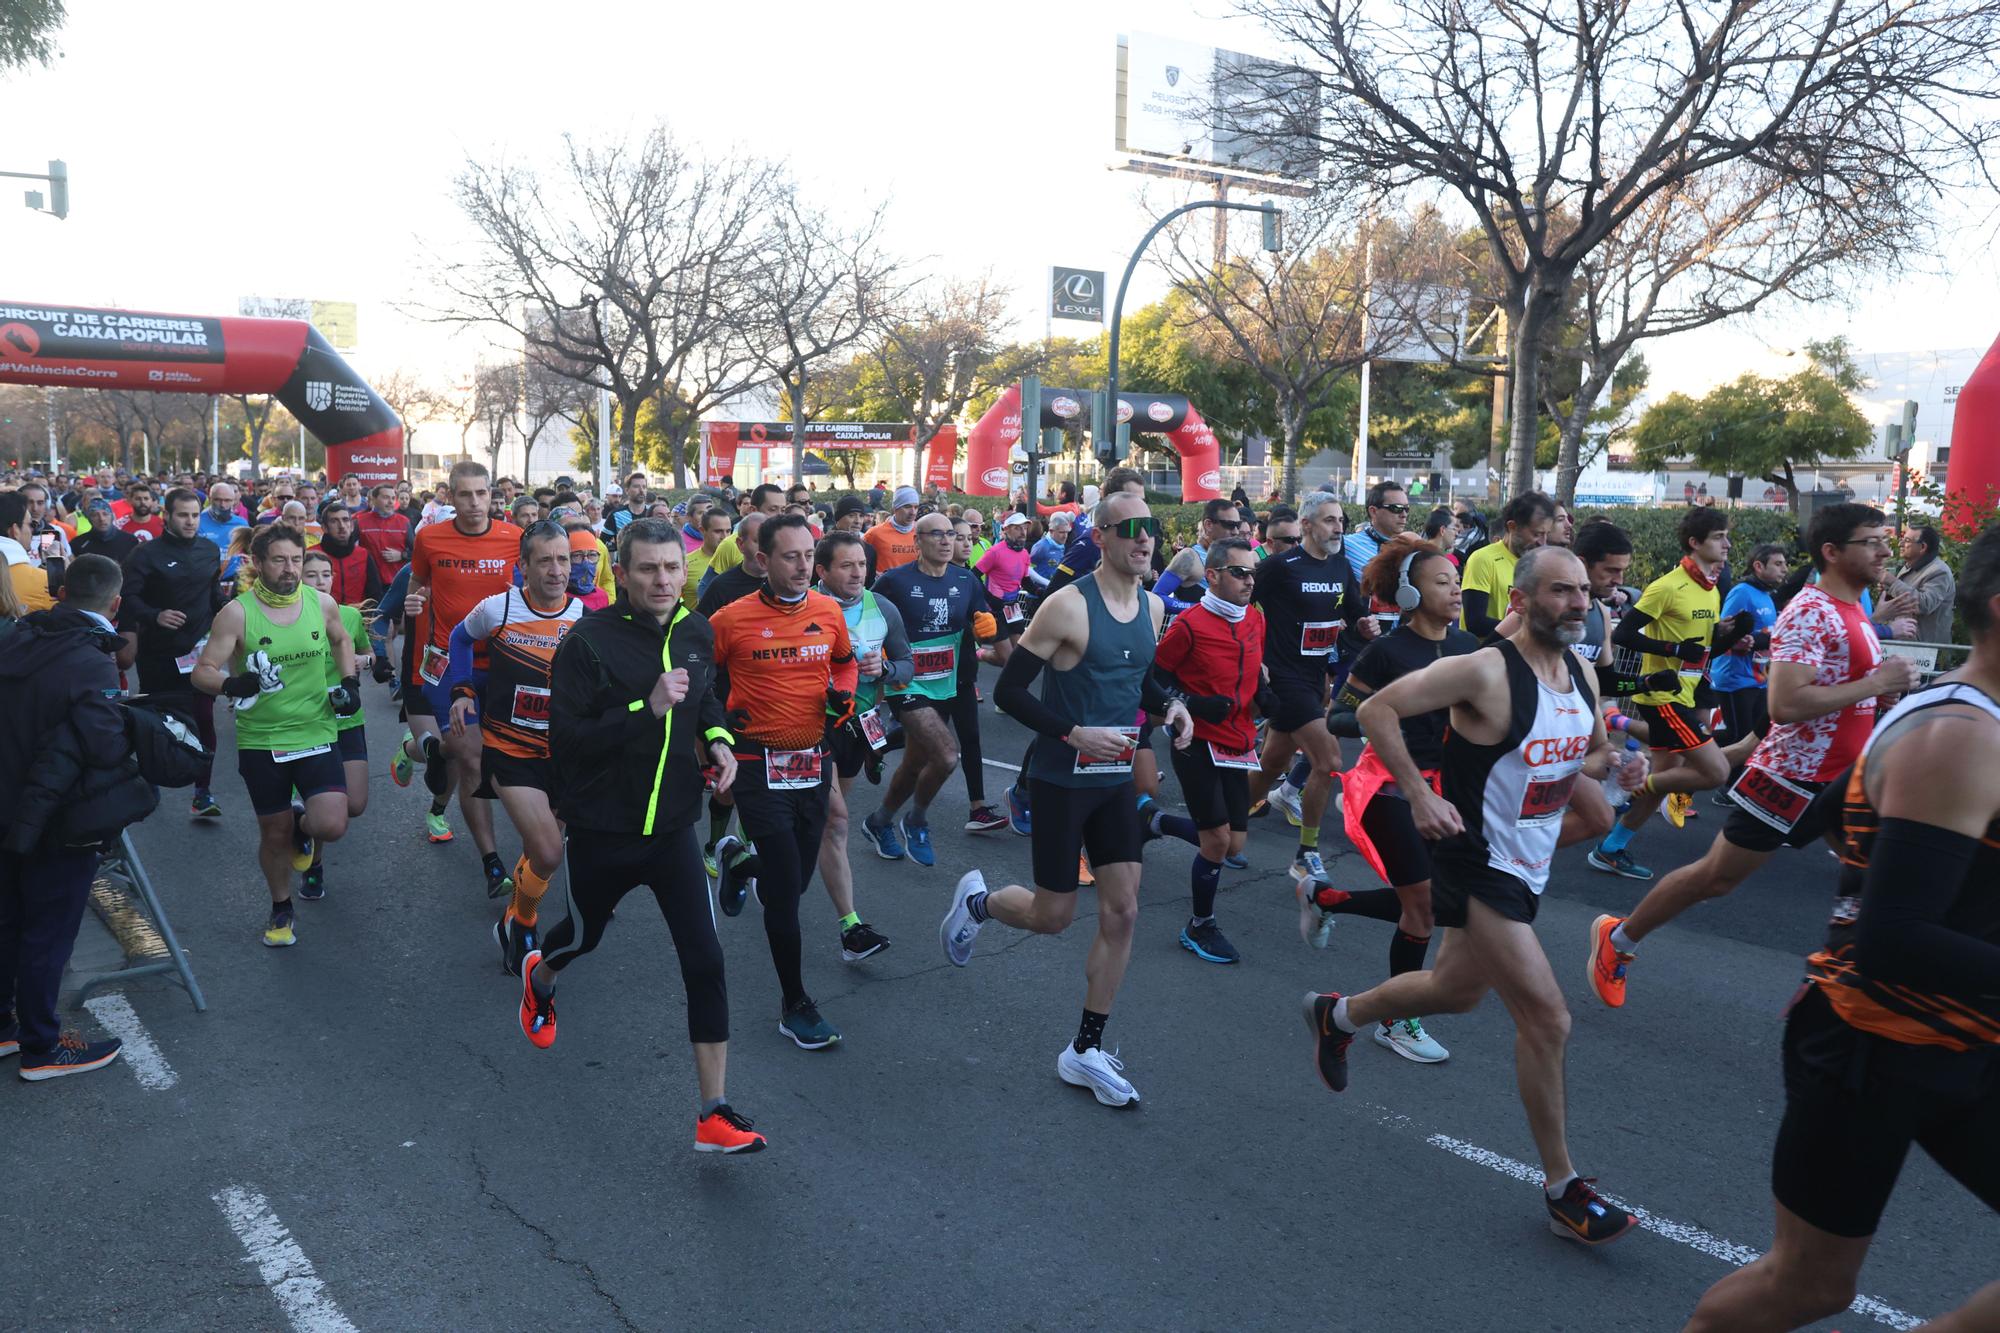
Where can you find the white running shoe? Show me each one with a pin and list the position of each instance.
(1308, 866)
(1098, 1072)
(1407, 1038)
(957, 931)
(1315, 922)
(1284, 798)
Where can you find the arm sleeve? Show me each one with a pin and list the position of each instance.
(1915, 873)
(1475, 602)
(458, 670)
(1014, 695)
(898, 667)
(1627, 635)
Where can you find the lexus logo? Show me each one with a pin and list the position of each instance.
(1079, 287)
(1173, 76)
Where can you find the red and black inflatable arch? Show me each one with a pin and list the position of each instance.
(78, 347)
(1169, 414)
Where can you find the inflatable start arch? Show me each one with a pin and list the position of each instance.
(1972, 477)
(77, 347)
(1170, 414)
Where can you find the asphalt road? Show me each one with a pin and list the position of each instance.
(356, 1132)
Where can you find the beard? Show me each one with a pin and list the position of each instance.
(1556, 631)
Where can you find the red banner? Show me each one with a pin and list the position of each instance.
(721, 439)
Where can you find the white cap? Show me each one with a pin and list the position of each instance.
(1011, 519)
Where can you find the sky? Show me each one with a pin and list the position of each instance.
(226, 149)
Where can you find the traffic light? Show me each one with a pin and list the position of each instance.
(58, 187)
(1274, 228)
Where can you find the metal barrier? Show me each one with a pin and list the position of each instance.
(147, 937)
(1925, 655)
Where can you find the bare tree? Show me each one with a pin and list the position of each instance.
(722, 368)
(1560, 124)
(117, 411)
(493, 404)
(932, 348)
(548, 394)
(624, 263)
(819, 288)
(414, 399)
(255, 420)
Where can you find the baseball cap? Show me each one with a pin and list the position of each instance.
(1011, 519)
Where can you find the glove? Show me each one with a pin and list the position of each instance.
(1691, 650)
(1740, 626)
(1265, 702)
(345, 697)
(248, 685)
(739, 720)
(260, 669)
(1653, 682)
(984, 628)
(1208, 707)
(840, 705)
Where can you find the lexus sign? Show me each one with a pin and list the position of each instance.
(1076, 293)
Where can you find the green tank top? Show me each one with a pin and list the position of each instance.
(357, 633)
(866, 628)
(297, 717)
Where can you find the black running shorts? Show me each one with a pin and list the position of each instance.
(1855, 1102)
(353, 745)
(1752, 834)
(1300, 699)
(1459, 877)
(1214, 797)
(1103, 821)
(506, 770)
(271, 783)
(1672, 727)
(1406, 857)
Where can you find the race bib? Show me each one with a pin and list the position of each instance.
(873, 730)
(434, 663)
(286, 756)
(791, 770)
(1319, 636)
(1544, 801)
(185, 664)
(1243, 759)
(935, 663)
(1122, 763)
(531, 707)
(1012, 610)
(1768, 797)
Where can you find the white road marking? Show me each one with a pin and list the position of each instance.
(995, 763)
(139, 1050)
(281, 1263)
(1680, 1232)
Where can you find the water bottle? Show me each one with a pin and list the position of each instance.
(1613, 793)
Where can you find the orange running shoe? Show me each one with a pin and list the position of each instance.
(538, 1016)
(1083, 875)
(1607, 965)
(722, 1130)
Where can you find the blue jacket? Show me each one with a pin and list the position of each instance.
(1740, 671)
(218, 530)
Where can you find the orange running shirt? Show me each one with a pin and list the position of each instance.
(461, 571)
(521, 642)
(892, 548)
(780, 660)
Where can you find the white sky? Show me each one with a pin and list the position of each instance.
(224, 149)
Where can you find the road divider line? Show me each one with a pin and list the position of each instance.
(995, 763)
(139, 1049)
(280, 1262)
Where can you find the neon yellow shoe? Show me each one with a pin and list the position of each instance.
(1677, 807)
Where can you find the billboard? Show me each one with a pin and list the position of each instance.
(1076, 293)
(1215, 108)
(336, 320)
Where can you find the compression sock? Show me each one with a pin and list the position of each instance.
(1615, 841)
(1299, 772)
(1207, 877)
(976, 906)
(1375, 904)
(850, 921)
(1308, 839)
(528, 890)
(1177, 826)
(1622, 942)
(1091, 1032)
(718, 820)
(1406, 952)
(1340, 1019)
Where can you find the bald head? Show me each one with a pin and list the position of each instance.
(1542, 563)
(1120, 505)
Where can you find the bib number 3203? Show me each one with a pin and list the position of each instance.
(791, 770)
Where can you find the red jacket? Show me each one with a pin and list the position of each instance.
(1210, 655)
(380, 534)
(351, 582)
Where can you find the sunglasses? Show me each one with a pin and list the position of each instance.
(1132, 529)
(1275, 540)
(1244, 572)
(1395, 509)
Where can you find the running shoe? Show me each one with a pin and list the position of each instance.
(1307, 865)
(1315, 922)
(538, 1016)
(957, 931)
(401, 766)
(1084, 875)
(985, 819)
(1676, 807)
(204, 807)
(10, 1037)
(1149, 819)
(1407, 1038)
(1285, 800)
(860, 941)
(1582, 1214)
(733, 884)
(1258, 809)
(888, 845)
(722, 1130)
(498, 881)
(808, 1031)
(917, 837)
(516, 942)
(72, 1055)
(1607, 965)
(1017, 813)
(1102, 1074)
(312, 884)
(1206, 942)
(1619, 862)
(872, 770)
(436, 827)
(278, 931)
(1329, 1042)
(436, 771)
(1723, 799)
(302, 843)
(708, 860)
(1235, 862)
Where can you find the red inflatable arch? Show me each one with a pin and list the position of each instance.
(1168, 414)
(79, 347)
(1972, 477)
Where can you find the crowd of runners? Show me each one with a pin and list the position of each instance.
(683, 697)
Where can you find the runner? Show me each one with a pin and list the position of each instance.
(1523, 730)
(1827, 671)
(1422, 583)
(1683, 604)
(1097, 641)
(783, 663)
(882, 662)
(1740, 676)
(173, 588)
(939, 601)
(1004, 567)
(1489, 571)
(267, 651)
(894, 539)
(1312, 610)
(632, 722)
(453, 566)
(351, 742)
(1214, 654)
(519, 630)
(1896, 1037)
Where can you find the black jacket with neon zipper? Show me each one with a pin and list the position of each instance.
(617, 768)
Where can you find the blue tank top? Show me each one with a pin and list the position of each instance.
(1102, 690)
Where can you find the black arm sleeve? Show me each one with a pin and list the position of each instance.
(1474, 604)
(1627, 635)
(1154, 696)
(1344, 721)
(1915, 872)
(1014, 696)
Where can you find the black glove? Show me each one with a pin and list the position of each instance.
(839, 705)
(345, 697)
(1742, 625)
(1656, 681)
(1208, 707)
(1265, 702)
(1691, 650)
(243, 686)
(739, 720)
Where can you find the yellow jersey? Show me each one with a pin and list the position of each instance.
(1490, 570)
(1682, 604)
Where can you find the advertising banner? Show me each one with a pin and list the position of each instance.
(990, 445)
(721, 439)
(1218, 108)
(1076, 293)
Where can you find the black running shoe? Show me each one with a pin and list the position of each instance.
(1206, 942)
(1329, 1042)
(435, 774)
(860, 941)
(738, 874)
(312, 884)
(498, 881)
(1583, 1215)
(516, 942)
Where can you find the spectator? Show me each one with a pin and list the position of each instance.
(30, 584)
(878, 496)
(354, 578)
(1240, 497)
(1924, 585)
(102, 537)
(172, 590)
(1388, 517)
